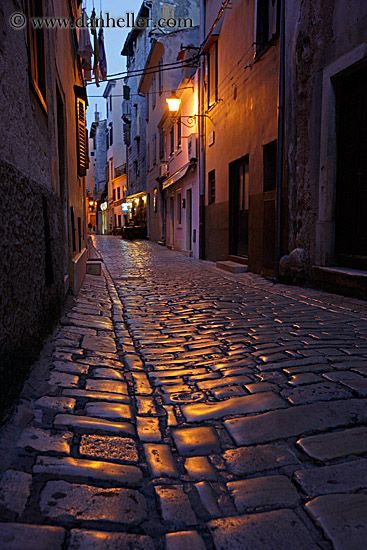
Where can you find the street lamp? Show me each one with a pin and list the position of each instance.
(174, 104)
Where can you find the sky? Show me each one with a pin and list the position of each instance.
(114, 40)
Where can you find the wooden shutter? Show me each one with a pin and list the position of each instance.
(81, 136)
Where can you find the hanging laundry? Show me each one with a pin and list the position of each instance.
(102, 54)
(85, 49)
(96, 50)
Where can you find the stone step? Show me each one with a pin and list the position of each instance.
(232, 267)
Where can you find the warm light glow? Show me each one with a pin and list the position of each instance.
(144, 199)
(91, 203)
(173, 103)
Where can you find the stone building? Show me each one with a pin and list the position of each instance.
(326, 143)
(43, 160)
(98, 152)
(135, 49)
(116, 154)
(172, 174)
(241, 124)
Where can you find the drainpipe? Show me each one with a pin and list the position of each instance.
(202, 139)
(281, 134)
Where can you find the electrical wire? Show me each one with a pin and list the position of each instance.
(148, 93)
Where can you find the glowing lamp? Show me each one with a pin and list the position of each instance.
(173, 103)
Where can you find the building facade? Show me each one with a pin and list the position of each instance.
(116, 155)
(43, 161)
(172, 174)
(326, 141)
(241, 125)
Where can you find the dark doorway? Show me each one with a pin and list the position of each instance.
(189, 220)
(351, 186)
(238, 206)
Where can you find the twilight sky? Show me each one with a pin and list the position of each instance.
(114, 40)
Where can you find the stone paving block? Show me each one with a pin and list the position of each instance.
(15, 488)
(146, 406)
(261, 387)
(55, 404)
(228, 391)
(99, 343)
(141, 382)
(70, 367)
(98, 396)
(133, 362)
(224, 381)
(82, 469)
(121, 449)
(263, 492)
(110, 386)
(148, 429)
(326, 391)
(87, 424)
(175, 505)
(71, 503)
(81, 539)
(112, 411)
(160, 460)
(107, 374)
(23, 536)
(62, 379)
(296, 421)
(184, 540)
(258, 458)
(343, 518)
(208, 499)
(236, 405)
(305, 378)
(196, 441)
(200, 469)
(270, 530)
(339, 478)
(44, 441)
(328, 446)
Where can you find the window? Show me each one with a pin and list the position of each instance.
(160, 76)
(111, 133)
(136, 169)
(118, 193)
(154, 90)
(211, 187)
(82, 142)
(213, 75)
(267, 23)
(179, 208)
(113, 194)
(270, 166)
(161, 143)
(155, 200)
(154, 149)
(115, 218)
(107, 106)
(111, 102)
(172, 140)
(37, 53)
(119, 218)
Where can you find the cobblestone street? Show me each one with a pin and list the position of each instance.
(187, 408)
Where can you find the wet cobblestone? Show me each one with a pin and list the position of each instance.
(189, 408)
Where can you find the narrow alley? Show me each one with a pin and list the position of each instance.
(187, 408)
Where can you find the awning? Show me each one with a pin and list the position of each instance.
(174, 178)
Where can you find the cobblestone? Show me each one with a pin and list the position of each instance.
(66, 502)
(263, 493)
(190, 408)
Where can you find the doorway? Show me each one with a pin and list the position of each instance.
(238, 207)
(351, 181)
(189, 220)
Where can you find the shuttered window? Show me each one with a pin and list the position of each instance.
(81, 137)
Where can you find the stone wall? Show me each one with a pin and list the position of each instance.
(31, 282)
